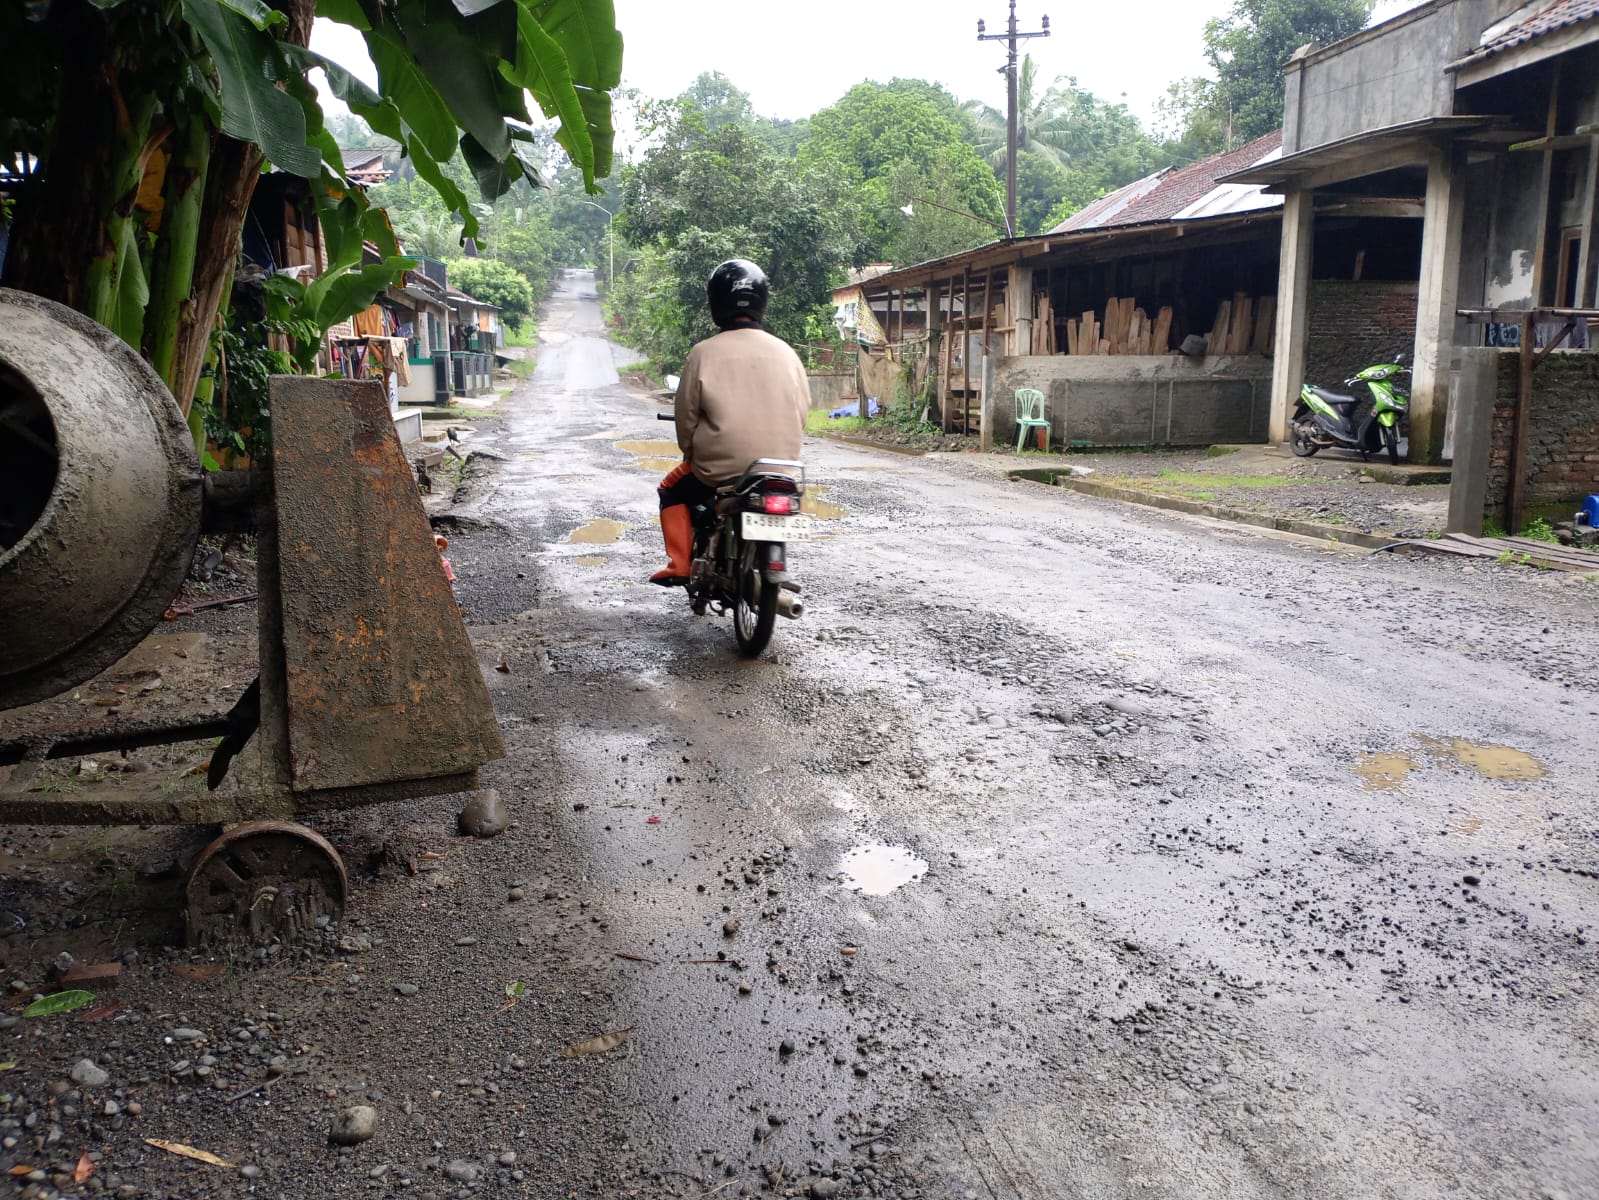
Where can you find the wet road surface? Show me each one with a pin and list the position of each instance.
(1062, 849)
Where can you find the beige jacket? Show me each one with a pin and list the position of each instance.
(743, 395)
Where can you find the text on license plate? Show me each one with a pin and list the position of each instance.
(765, 527)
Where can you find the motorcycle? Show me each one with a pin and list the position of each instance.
(1323, 418)
(740, 557)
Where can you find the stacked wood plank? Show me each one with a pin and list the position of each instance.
(1044, 335)
(1243, 325)
(1124, 329)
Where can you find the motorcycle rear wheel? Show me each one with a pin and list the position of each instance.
(754, 612)
(1299, 441)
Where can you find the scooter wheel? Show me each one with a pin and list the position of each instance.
(1299, 442)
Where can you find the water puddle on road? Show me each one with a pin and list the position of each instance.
(589, 560)
(1500, 763)
(597, 533)
(817, 507)
(1384, 771)
(877, 869)
(656, 455)
(1387, 770)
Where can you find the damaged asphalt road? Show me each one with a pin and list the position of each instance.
(1062, 849)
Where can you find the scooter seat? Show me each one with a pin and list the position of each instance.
(1334, 398)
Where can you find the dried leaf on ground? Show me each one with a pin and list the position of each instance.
(603, 1044)
(84, 1169)
(179, 1148)
(105, 1010)
(198, 972)
(58, 1002)
(21, 1169)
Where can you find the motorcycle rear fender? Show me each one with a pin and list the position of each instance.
(1316, 404)
(774, 552)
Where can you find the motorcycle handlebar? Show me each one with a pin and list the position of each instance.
(666, 416)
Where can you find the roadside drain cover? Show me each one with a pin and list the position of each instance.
(876, 869)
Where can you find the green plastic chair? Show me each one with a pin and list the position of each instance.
(1029, 414)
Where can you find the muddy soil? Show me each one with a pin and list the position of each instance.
(1062, 849)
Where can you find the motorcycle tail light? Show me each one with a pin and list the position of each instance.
(780, 504)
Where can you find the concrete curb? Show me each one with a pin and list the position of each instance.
(1219, 512)
(868, 444)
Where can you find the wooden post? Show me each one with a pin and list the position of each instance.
(1540, 252)
(966, 345)
(985, 416)
(932, 302)
(1587, 293)
(947, 324)
(1518, 443)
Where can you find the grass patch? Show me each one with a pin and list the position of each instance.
(1539, 530)
(817, 421)
(526, 334)
(1187, 480)
(1220, 451)
(523, 368)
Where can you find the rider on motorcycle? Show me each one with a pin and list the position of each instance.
(743, 395)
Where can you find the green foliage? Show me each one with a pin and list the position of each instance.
(1539, 530)
(495, 283)
(701, 197)
(92, 88)
(877, 127)
(1247, 49)
(59, 1002)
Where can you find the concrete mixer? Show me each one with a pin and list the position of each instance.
(368, 689)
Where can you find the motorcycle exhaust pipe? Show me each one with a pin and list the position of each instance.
(789, 605)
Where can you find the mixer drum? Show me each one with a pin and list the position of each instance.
(99, 498)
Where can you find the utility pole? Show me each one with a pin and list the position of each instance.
(1011, 37)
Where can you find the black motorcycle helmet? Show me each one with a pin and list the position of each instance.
(735, 289)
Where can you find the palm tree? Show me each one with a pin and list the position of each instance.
(1043, 121)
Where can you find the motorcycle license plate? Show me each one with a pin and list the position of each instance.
(768, 527)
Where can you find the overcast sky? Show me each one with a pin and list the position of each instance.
(797, 57)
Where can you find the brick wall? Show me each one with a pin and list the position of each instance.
(1563, 434)
(1355, 324)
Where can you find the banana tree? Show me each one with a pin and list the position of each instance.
(132, 134)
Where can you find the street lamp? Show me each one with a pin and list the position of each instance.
(610, 237)
(1011, 36)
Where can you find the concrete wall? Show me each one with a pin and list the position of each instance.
(1355, 324)
(1563, 447)
(828, 390)
(1138, 401)
(1384, 76)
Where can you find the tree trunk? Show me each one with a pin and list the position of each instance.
(230, 182)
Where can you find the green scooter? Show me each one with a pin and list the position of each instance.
(1323, 418)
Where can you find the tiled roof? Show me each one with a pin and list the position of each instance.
(1162, 196)
(1551, 17)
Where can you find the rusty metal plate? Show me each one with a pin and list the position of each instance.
(382, 681)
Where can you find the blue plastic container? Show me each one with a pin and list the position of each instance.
(1590, 511)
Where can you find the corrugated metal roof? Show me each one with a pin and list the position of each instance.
(1557, 15)
(1182, 193)
(1228, 199)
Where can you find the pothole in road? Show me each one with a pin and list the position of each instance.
(1386, 771)
(597, 533)
(821, 509)
(655, 455)
(876, 869)
(1500, 763)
